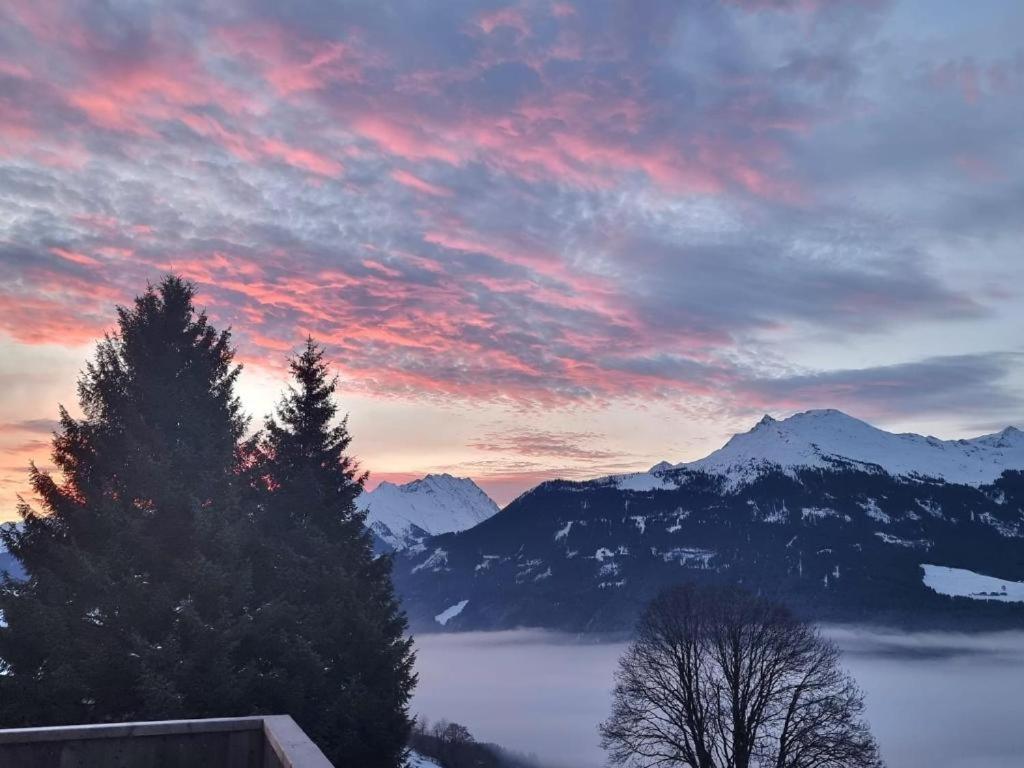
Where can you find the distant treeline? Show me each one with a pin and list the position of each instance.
(451, 745)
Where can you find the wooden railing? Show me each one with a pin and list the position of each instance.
(273, 741)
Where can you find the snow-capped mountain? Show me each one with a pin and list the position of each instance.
(403, 514)
(843, 521)
(827, 439)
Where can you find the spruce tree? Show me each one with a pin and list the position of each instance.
(329, 623)
(135, 602)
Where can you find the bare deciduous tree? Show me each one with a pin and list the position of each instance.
(719, 678)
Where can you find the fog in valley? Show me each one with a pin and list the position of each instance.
(933, 699)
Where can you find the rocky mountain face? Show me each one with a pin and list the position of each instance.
(401, 515)
(822, 511)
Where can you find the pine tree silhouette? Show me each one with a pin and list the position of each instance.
(329, 621)
(137, 593)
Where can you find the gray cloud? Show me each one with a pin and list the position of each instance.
(960, 385)
(38, 426)
(538, 442)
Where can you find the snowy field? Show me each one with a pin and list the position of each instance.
(933, 699)
(959, 582)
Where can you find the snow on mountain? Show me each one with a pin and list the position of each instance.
(416, 760)
(827, 438)
(402, 514)
(960, 582)
(451, 612)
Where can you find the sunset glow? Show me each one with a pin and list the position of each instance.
(536, 239)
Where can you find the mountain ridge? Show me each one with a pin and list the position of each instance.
(402, 514)
(827, 437)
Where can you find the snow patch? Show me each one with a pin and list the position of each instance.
(817, 513)
(436, 562)
(929, 506)
(485, 564)
(959, 582)
(416, 760)
(774, 515)
(1006, 530)
(692, 557)
(681, 514)
(450, 612)
(888, 538)
(561, 533)
(872, 510)
(526, 569)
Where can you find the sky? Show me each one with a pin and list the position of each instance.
(537, 239)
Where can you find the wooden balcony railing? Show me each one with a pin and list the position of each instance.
(273, 741)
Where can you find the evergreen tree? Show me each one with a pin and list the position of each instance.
(135, 601)
(329, 622)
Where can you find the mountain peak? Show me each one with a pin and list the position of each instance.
(823, 438)
(814, 418)
(826, 438)
(436, 503)
(819, 415)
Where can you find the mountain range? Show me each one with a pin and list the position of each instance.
(843, 521)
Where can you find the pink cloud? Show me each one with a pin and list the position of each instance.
(415, 182)
(290, 63)
(251, 148)
(131, 97)
(403, 140)
(509, 16)
(301, 158)
(47, 318)
(75, 257)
